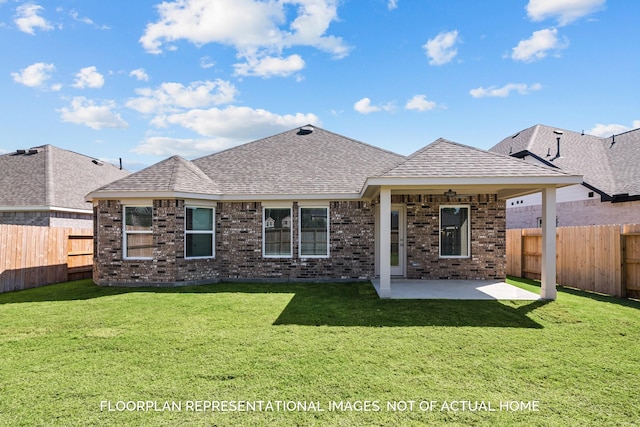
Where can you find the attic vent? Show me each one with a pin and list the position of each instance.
(97, 162)
(305, 130)
(515, 135)
(33, 151)
(558, 132)
(21, 151)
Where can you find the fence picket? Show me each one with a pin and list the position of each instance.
(33, 256)
(589, 257)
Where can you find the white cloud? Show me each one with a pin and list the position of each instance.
(441, 49)
(206, 62)
(565, 11)
(140, 74)
(35, 75)
(393, 4)
(256, 29)
(270, 66)
(420, 103)
(76, 16)
(27, 19)
(86, 112)
(504, 91)
(88, 77)
(237, 123)
(167, 146)
(538, 45)
(173, 97)
(604, 130)
(364, 106)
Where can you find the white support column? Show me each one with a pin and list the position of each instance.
(385, 242)
(548, 290)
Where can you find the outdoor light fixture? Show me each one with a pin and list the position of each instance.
(450, 193)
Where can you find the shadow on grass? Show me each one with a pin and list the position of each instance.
(321, 304)
(624, 302)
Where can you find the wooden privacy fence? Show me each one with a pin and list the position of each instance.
(35, 256)
(602, 258)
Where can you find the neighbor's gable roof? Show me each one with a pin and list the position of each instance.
(51, 177)
(610, 168)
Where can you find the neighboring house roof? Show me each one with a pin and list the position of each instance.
(316, 164)
(608, 167)
(48, 177)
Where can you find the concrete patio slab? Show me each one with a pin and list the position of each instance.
(456, 289)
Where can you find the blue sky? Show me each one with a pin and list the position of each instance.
(142, 80)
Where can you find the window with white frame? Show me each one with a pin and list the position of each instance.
(314, 232)
(455, 232)
(276, 232)
(138, 233)
(199, 232)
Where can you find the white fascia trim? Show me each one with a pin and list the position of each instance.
(479, 180)
(124, 195)
(43, 209)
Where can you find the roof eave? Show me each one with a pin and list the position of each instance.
(123, 195)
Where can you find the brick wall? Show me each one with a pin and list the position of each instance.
(582, 212)
(238, 244)
(488, 238)
(238, 241)
(47, 219)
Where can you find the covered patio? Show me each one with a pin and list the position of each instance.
(456, 174)
(455, 290)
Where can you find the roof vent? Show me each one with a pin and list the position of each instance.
(558, 132)
(305, 130)
(97, 162)
(33, 151)
(21, 151)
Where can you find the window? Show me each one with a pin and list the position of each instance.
(454, 232)
(138, 237)
(314, 232)
(199, 233)
(276, 236)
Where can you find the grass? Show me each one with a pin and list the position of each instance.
(66, 348)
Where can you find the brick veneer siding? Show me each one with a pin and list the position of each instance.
(48, 219)
(488, 242)
(238, 244)
(238, 247)
(581, 212)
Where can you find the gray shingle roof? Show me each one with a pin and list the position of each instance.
(174, 174)
(315, 162)
(295, 162)
(51, 177)
(446, 158)
(612, 169)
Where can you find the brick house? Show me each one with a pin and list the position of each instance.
(609, 192)
(46, 186)
(308, 204)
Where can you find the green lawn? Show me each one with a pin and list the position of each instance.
(68, 349)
